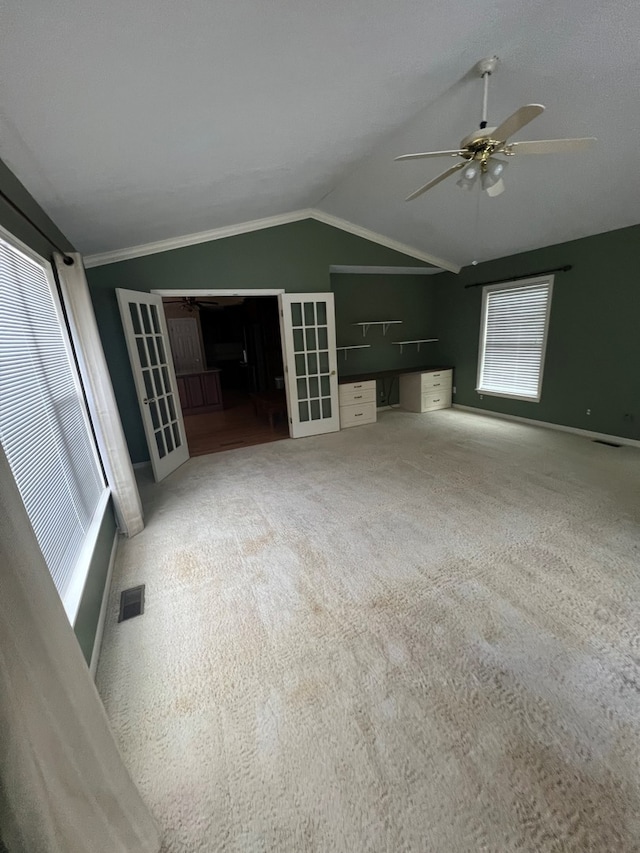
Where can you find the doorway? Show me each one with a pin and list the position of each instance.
(227, 353)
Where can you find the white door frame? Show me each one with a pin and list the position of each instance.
(189, 291)
(186, 291)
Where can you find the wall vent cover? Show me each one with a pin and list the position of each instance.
(131, 603)
(608, 443)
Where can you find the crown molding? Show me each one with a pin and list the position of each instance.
(351, 269)
(374, 237)
(167, 245)
(170, 243)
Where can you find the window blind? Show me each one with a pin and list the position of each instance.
(514, 328)
(43, 422)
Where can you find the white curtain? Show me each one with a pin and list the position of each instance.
(63, 785)
(100, 396)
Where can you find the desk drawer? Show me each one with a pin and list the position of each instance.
(436, 399)
(356, 396)
(364, 413)
(357, 387)
(441, 379)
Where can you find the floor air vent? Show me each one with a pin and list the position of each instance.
(131, 603)
(608, 443)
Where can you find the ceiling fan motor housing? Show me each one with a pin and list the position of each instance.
(480, 145)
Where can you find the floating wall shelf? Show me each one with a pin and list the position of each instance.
(384, 323)
(402, 344)
(358, 346)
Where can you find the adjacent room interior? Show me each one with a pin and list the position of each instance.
(227, 354)
(319, 429)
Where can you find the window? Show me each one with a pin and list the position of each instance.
(513, 337)
(44, 426)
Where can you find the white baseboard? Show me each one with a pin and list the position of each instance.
(97, 642)
(602, 436)
(138, 465)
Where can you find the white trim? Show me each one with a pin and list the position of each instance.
(100, 397)
(237, 292)
(139, 465)
(9, 237)
(97, 641)
(603, 436)
(374, 237)
(513, 285)
(356, 269)
(170, 243)
(70, 349)
(74, 592)
(140, 251)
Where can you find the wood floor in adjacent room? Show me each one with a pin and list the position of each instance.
(237, 425)
(419, 635)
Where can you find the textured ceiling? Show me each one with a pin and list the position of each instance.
(135, 122)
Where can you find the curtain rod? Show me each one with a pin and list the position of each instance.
(518, 277)
(66, 258)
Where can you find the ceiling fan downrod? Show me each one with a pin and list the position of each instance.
(486, 67)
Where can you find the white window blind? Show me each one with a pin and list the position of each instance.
(44, 427)
(513, 336)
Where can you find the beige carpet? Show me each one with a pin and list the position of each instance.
(420, 635)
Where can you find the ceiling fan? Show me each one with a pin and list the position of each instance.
(479, 148)
(190, 303)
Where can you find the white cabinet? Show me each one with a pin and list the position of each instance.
(357, 403)
(426, 391)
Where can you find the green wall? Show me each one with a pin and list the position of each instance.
(294, 257)
(89, 611)
(593, 347)
(390, 297)
(18, 226)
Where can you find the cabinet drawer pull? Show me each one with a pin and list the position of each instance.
(359, 397)
(436, 384)
(357, 414)
(437, 401)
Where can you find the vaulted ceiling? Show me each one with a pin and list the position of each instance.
(131, 122)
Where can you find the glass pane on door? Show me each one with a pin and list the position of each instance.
(311, 346)
(153, 361)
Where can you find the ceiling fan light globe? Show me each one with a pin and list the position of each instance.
(468, 176)
(495, 189)
(491, 177)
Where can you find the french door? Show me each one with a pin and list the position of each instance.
(147, 338)
(307, 322)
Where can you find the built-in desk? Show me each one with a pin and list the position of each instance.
(388, 374)
(199, 391)
(418, 389)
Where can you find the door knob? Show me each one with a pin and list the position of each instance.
(333, 373)
(148, 400)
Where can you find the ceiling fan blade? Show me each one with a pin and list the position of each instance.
(435, 181)
(551, 146)
(453, 153)
(516, 121)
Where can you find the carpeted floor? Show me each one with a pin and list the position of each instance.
(420, 635)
